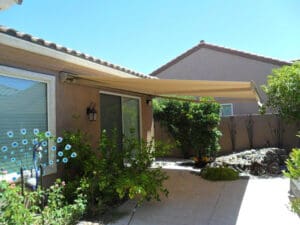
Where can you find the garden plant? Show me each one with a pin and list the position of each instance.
(219, 173)
(283, 92)
(111, 175)
(95, 179)
(35, 205)
(293, 172)
(194, 126)
(43, 206)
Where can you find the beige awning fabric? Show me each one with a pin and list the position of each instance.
(165, 87)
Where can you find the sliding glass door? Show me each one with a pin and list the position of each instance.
(131, 117)
(120, 114)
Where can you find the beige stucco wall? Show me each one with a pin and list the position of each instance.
(72, 101)
(208, 64)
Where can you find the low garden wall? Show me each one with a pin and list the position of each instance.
(246, 132)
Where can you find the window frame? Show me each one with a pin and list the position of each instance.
(226, 104)
(50, 82)
(127, 96)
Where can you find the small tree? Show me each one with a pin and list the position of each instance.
(283, 91)
(194, 126)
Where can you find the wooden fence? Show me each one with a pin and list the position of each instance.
(247, 132)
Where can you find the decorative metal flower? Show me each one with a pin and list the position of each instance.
(27, 150)
(10, 134)
(36, 131)
(24, 141)
(23, 131)
(4, 148)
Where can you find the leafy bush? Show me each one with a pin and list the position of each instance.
(293, 172)
(295, 205)
(219, 173)
(85, 156)
(283, 91)
(39, 207)
(194, 126)
(57, 211)
(293, 164)
(138, 181)
(13, 209)
(111, 175)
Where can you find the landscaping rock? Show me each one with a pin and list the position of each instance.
(266, 161)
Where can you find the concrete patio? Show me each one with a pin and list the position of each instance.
(194, 201)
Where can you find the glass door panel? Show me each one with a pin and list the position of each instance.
(111, 116)
(121, 115)
(131, 117)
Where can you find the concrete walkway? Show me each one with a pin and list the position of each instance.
(194, 201)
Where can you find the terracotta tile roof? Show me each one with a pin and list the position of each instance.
(51, 45)
(202, 44)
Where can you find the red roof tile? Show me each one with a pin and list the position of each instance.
(44, 43)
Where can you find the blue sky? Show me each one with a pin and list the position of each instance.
(143, 35)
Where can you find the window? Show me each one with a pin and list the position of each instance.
(26, 101)
(226, 109)
(120, 114)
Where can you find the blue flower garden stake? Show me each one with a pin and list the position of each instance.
(20, 148)
(37, 156)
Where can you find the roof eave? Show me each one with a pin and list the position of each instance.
(39, 46)
(202, 44)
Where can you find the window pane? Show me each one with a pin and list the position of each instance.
(131, 117)
(120, 114)
(111, 116)
(23, 104)
(226, 110)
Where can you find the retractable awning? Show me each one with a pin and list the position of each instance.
(168, 87)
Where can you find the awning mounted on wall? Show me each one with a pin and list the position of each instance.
(168, 87)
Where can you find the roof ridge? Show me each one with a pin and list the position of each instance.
(228, 50)
(60, 48)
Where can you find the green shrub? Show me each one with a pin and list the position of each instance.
(295, 205)
(293, 172)
(81, 166)
(219, 174)
(85, 156)
(111, 175)
(293, 164)
(283, 92)
(39, 207)
(138, 181)
(13, 211)
(57, 210)
(194, 126)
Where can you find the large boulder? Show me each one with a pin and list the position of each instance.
(266, 161)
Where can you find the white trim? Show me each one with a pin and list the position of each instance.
(51, 101)
(128, 96)
(225, 104)
(65, 57)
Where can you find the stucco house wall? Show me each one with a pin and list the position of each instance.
(209, 62)
(21, 53)
(72, 101)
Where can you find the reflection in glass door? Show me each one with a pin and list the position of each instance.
(130, 117)
(121, 114)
